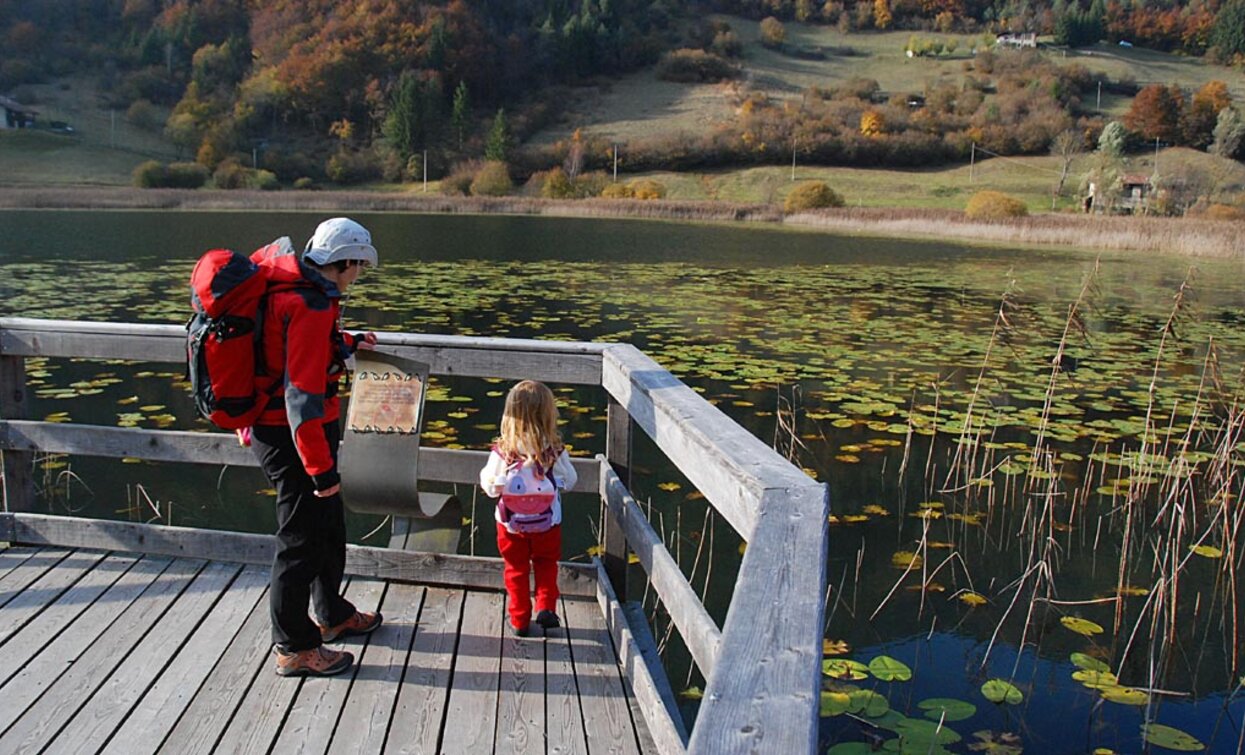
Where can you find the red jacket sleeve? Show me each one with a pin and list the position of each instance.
(307, 357)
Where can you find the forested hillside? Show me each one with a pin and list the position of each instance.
(362, 90)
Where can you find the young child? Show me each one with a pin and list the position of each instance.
(527, 467)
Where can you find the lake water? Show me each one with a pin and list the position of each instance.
(873, 363)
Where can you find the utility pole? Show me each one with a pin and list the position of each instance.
(615, 163)
(1098, 102)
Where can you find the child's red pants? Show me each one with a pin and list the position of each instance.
(524, 554)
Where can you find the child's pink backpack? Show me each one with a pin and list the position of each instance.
(526, 502)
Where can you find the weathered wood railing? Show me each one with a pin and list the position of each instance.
(762, 667)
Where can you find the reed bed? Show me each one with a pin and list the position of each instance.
(1182, 236)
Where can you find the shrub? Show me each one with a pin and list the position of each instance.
(186, 176)
(773, 34)
(994, 205)
(265, 180)
(556, 185)
(459, 179)
(690, 66)
(616, 191)
(149, 175)
(646, 188)
(144, 115)
(303, 183)
(1224, 212)
(231, 174)
(492, 180)
(811, 195)
(352, 167)
(726, 43)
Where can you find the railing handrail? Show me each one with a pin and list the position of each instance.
(762, 667)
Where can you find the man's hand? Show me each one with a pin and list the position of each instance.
(366, 340)
(330, 492)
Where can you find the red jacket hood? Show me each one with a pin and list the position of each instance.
(283, 268)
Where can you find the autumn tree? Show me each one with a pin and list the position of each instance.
(1198, 122)
(871, 123)
(1156, 112)
(500, 141)
(882, 16)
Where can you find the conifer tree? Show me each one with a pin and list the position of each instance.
(460, 115)
(499, 140)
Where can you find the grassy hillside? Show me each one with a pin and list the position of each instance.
(1031, 179)
(641, 105)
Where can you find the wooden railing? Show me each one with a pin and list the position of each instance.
(762, 666)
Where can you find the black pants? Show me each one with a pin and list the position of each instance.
(311, 543)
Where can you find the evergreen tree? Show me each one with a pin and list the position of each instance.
(460, 115)
(1228, 34)
(414, 114)
(499, 140)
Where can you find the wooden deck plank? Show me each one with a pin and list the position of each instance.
(365, 718)
(47, 626)
(40, 722)
(162, 705)
(471, 712)
(564, 721)
(521, 699)
(607, 717)
(12, 584)
(420, 710)
(13, 556)
(309, 727)
(213, 706)
(262, 712)
(94, 724)
(22, 687)
(45, 590)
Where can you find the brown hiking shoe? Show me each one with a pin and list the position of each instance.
(360, 622)
(315, 662)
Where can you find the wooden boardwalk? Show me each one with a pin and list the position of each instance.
(108, 651)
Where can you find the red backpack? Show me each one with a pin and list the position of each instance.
(223, 352)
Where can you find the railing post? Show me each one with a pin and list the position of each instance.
(618, 454)
(19, 481)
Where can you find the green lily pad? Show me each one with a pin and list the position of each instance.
(1171, 739)
(1089, 663)
(1096, 679)
(1081, 626)
(947, 709)
(834, 703)
(889, 670)
(1000, 691)
(867, 703)
(841, 668)
(1124, 695)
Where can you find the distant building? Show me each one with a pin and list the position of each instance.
(1025, 39)
(16, 115)
(1135, 189)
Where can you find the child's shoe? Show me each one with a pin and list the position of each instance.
(548, 619)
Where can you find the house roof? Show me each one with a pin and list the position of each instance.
(1136, 178)
(10, 104)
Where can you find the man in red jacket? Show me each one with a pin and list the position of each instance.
(296, 441)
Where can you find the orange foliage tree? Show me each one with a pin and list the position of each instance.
(1156, 112)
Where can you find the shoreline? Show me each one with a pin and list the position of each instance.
(1219, 239)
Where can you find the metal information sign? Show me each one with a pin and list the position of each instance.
(379, 454)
